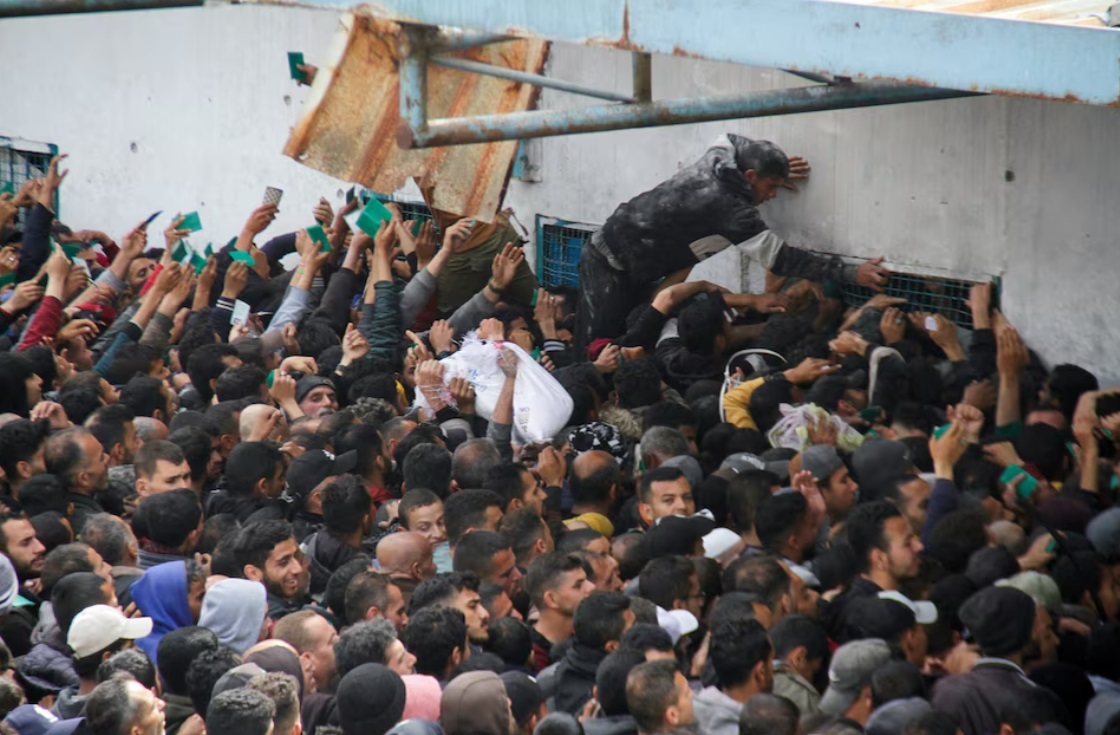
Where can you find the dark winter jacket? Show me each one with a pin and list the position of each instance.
(575, 677)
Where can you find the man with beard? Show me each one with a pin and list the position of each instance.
(659, 698)
(316, 396)
(460, 591)
(76, 458)
(743, 660)
(24, 553)
(266, 551)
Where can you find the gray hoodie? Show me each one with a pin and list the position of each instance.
(716, 713)
(235, 610)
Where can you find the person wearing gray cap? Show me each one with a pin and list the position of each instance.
(839, 489)
(847, 701)
(1002, 622)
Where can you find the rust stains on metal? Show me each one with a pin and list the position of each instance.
(351, 125)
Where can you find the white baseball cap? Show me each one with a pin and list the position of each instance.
(677, 623)
(924, 612)
(100, 626)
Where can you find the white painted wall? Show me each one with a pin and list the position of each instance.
(205, 97)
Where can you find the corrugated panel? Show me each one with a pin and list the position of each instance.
(349, 126)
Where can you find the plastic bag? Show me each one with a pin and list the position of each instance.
(541, 406)
(792, 430)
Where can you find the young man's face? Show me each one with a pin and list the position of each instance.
(671, 498)
(131, 444)
(195, 593)
(532, 492)
(285, 571)
(470, 604)
(427, 521)
(841, 493)
(95, 461)
(763, 188)
(399, 659)
(573, 589)
(504, 571)
(24, 548)
(322, 637)
(915, 499)
(396, 610)
(149, 710)
(168, 476)
(904, 549)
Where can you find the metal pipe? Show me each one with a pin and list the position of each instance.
(542, 123)
(525, 77)
(14, 8)
(413, 77)
(643, 77)
(457, 39)
(818, 78)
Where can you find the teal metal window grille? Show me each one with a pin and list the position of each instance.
(559, 244)
(21, 160)
(933, 294)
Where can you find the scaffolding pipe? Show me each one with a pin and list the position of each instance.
(538, 80)
(456, 39)
(543, 123)
(414, 79)
(14, 8)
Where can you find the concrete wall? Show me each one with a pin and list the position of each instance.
(189, 109)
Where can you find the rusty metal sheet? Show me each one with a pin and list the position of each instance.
(349, 125)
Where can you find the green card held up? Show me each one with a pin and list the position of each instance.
(7, 279)
(191, 222)
(295, 61)
(181, 252)
(369, 221)
(240, 256)
(71, 249)
(198, 262)
(318, 235)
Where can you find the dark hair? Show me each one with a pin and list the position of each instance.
(338, 585)
(15, 369)
(107, 535)
(43, 494)
(366, 589)
(74, 593)
(130, 360)
(197, 446)
(1066, 383)
(794, 631)
(249, 463)
(365, 642)
(415, 498)
(42, 362)
(932, 723)
(737, 647)
(643, 637)
(600, 619)
(667, 413)
(778, 516)
(637, 383)
(177, 649)
(432, 636)
(661, 474)
(63, 455)
(896, 680)
(62, 561)
(109, 425)
(510, 640)
(243, 381)
(216, 528)
(315, 336)
(745, 492)
(651, 689)
(19, 441)
(375, 385)
(633, 557)
(109, 709)
(168, 518)
(521, 529)
(144, 395)
(762, 157)
(766, 401)
(50, 529)
(505, 481)
(769, 714)
(665, 580)
(758, 575)
(257, 540)
(476, 550)
(440, 589)
(577, 539)
(466, 509)
(87, 667)
(153, 452)
(205, 364)
(594, 487)
(133, 662)
(244, 711)
(79, 405)
(364, 440)
(345, 505)
(558, 723)
(955, 538)
(222, 418)
(203, 673)
(472, 461)
(283, 691)
(428, 466)
(610, 677)
(865, 528)
(546, 572)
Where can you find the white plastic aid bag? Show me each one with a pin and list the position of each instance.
(792, 430)
(541, 406)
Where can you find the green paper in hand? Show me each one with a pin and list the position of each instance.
(181, 252)
(372, 216)
(6, 279)
(317, 234)
(191, 222)
(295, 61)
(198, 262)
(240, 256)
(71, 249)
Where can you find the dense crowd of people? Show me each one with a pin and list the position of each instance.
(764, 514)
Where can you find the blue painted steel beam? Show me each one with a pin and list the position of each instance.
(952, 50)
(413, 73)
(12, 8)
(541, 123)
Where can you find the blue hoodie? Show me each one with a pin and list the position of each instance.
(161, 594)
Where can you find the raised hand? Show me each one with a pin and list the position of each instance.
(463, 392)
(457, 234)
(504, 267)
(322, 212)
(798, 171)
(237, 276)
(260, 219)
(507, 361)
(872, 275)
(809, 370)
(355, 346)
(442, 336)
(24, 295)
(848, 343)
(892, 325)
(609, 359)
(173, 234)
